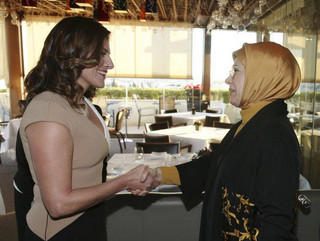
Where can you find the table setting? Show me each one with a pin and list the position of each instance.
(188, 135)
(121, 163)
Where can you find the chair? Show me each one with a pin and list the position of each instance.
(171, 148)
(167, 103)
(171, 111)
(156, 139)
(163, 139)
(214, 146)
(308, 222)
(211, 111)
(145, 111)
(159, 118)
(147, 127)
(223, 125)
(210, 119)
(116, 130)
(204, 105)
(159, 126)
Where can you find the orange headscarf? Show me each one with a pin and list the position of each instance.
(272, 73)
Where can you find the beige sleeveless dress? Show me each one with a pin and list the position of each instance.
(90, 148)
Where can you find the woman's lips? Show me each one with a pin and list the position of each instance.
(102, 72)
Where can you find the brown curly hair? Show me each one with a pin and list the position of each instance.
(74, 44)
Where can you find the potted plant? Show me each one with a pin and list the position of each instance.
(193, 110)
(198, 125)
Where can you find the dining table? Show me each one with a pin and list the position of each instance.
(120, 163)
(189, 118)
(187, 135)
(148, 217)
(10, 134)
(8, 146)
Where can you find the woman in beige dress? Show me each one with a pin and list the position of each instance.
(64, 138)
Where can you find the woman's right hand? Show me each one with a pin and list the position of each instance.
(139, 181)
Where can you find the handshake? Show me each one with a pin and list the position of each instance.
(142, 179)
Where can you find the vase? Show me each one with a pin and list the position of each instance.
(198, 128)
(193, 111)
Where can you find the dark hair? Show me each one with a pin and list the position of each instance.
(74, 44)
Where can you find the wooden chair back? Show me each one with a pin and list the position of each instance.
(223, 125)
(211, 111)
(159, 118)
(159, 126)
(171, 148)
(119, 120)
(209, 120)
(156, 139)
(171, 111)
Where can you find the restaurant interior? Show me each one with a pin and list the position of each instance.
(171, 58)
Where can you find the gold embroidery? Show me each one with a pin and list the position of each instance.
(230, 212)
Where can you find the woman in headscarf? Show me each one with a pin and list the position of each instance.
(251, 181)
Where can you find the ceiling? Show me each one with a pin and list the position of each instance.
(166, 10)
(197, 12)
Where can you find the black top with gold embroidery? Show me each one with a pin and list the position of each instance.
(250, 183)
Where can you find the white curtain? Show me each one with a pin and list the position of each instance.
(34, 32)
(138, 51)
(151, 51)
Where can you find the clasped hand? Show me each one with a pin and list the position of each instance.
(143, 179)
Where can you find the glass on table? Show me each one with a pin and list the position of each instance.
(138, 154)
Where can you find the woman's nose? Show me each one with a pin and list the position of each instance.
(228, 80)
(108, 62)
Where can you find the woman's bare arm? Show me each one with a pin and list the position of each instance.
(51, 149)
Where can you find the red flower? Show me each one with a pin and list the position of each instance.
(195, 87)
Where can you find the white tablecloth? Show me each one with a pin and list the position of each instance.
(121, 163)
(10, 135)
(188, 135)
(8, 147)
(187, 117)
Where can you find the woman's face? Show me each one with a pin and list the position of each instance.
(236, 82)
(95, 76)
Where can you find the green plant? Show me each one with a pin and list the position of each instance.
(197, 123)
(153, 93)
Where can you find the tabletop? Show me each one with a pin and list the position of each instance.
(121, 163)
(189, 135)
(189, 118)
(10, 134)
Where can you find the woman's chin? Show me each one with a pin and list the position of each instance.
(235, 103)
(100, 84)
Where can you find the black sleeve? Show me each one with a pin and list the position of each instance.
(277, 183)
(193, 175)
(22, 178)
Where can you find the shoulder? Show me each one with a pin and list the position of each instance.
(47, 101)
(48, 97)
(48, 106)
(277, 127)
(279, 143)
